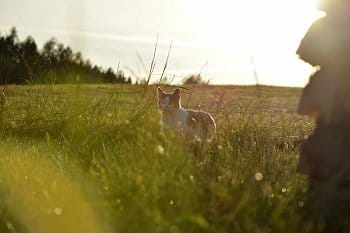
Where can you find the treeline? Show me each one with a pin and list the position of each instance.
(21, 62)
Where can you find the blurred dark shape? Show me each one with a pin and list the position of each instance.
(165, 80)
(22, 63)
(325, 156)
(195, 79)
(119, 77)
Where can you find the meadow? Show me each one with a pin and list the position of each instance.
(92, 158)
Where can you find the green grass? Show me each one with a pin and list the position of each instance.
(93, 159)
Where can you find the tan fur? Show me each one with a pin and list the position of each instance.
(202, 122)
(191, 124)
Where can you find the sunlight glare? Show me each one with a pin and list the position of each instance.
(270, 30)
(246, 23)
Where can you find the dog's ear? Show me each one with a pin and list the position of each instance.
(160, 93)
(177, 93)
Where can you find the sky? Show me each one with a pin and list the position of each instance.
(225, 40)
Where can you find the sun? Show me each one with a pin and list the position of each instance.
(237, 23)
(270, 30)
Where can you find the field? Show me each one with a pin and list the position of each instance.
(93, 159)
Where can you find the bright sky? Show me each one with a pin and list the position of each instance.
(218, 38)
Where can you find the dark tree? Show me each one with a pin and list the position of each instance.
(129, 81)
(110, 76)
(194, 79)
(22, 62)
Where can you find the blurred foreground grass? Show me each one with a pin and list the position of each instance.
(92, 159)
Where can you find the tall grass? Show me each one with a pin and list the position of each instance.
(93, 159)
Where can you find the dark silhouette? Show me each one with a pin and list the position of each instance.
(194, 79)
(22, 63)
(119, 77)
(325, 156)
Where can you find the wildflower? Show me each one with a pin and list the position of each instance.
(259, 176)
(300, 204)
(160, 149)
(58, 211)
